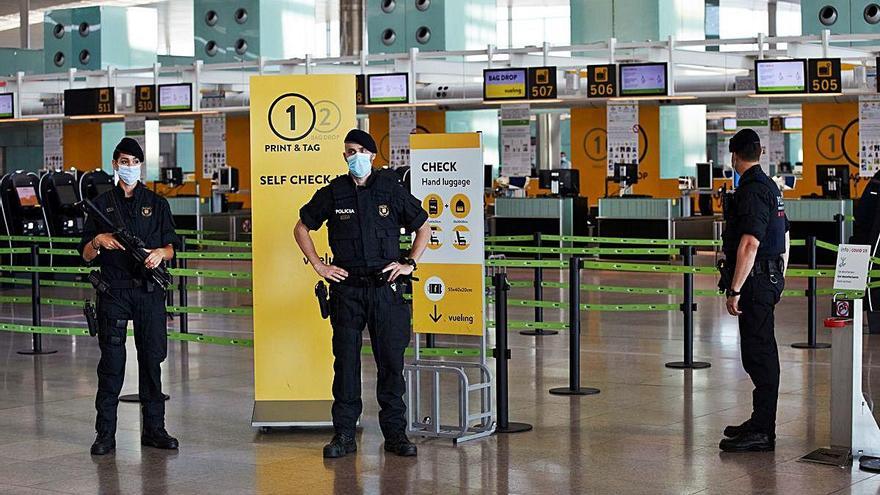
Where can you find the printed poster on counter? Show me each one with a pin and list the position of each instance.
(623, 133)
(53, 144)
(754, 113)
(213, 144)
(447, 176)
(869, 135)
(401, 123)
(516, 141)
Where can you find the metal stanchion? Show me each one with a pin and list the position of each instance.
(687, 308)
(539, 294)
(574, 328)
(811, 301)
(502, 354)
(841, 228)
(36, 315)
(181, 285)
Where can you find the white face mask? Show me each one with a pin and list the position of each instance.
(129, 174)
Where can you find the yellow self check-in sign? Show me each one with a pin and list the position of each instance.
(447, 175)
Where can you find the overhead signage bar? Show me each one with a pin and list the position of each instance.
(542, 83)
(89, 101)
(360, 89)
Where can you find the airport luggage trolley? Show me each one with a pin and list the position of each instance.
(854, 431)
(472, 377)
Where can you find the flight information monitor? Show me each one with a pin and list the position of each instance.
(505, 84)
(6, 105)
(383, 89)
(27, 196)
(780, 76)
(793, 123)
(704, 176)
(175, 97)
(729, 124)
(643, 80)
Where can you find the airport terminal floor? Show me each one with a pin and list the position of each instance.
(651, 430)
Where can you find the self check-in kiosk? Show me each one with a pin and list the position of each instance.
(93, 184)
(58, 194)
(22, 210)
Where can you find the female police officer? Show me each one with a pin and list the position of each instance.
(755, 247)
(131, 297)
(364, 211)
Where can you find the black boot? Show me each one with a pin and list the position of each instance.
(159, 438)
(734, 431)
(750, 441)
(400, 445)
(104, 444)
(340, 446)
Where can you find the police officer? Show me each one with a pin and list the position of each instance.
(866, 230)
(131, 297)
(365, 211)
(756, 243)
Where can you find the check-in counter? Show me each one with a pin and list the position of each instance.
(549, 215)
(183, 208)
(233, 226)
(816, 217)
(652, 218)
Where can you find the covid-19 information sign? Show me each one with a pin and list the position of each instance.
(447, 176)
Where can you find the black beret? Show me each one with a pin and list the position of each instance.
(362, 138)
(743, 138)
(130, 147)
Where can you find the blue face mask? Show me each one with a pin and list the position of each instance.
(359, 164)
(129, 175)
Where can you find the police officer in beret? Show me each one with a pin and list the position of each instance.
(365, 211)
(131, 296)
(756, 245)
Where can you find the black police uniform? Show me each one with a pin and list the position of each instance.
(757, 208)
(148, 216)
(866, 230)
(363, 225)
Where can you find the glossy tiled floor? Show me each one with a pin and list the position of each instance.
(651, 430)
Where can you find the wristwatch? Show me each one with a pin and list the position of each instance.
(409, 261)
(732, 293)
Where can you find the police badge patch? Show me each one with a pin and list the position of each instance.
(383, 210)
(147, 211)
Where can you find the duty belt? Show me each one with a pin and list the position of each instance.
(770, 265)
(376, 279)
(126, 283)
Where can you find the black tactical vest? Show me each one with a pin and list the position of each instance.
(773, 243)
(364, 230)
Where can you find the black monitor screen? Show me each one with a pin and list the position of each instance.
(487, 176)
(626, 172)
(834, 180)
(704, 176)
(66, 194)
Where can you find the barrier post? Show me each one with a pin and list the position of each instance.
(811, 301)
(687, 308)
(539, 293)
(502, 355)
(574, 338)
(181, 285)
(36, 315)
(841, 228)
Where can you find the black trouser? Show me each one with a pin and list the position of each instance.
(760, 357)
(387, 316)
(147, 310)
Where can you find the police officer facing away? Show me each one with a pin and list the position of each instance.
(756, 244)
(131, 297)
(364, 211)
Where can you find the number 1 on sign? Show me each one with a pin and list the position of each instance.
(292, 111)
